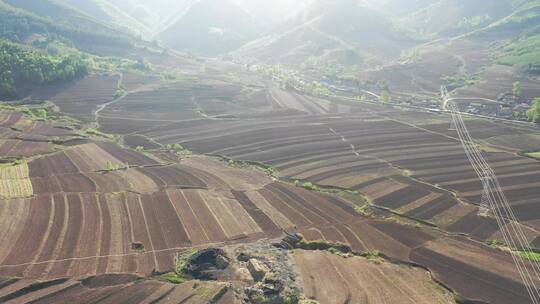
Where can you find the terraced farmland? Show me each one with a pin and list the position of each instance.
(114, 288)
(332, 279)
(118, 208)
(417, 169)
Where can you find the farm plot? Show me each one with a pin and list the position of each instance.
(110, 288)
(21, 137)
(149, 109)
(98, 228)
(380, 157)
(461, 264)
(8, 119)
(15, 181)
(81, 98)
(331, 279)
(450, 259)
(15, 148)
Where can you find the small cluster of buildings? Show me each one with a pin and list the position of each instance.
(507, 106)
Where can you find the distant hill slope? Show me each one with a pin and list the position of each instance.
(445, 18)
(340, 31)
(22, 19)
(107, 12)
(211, 27)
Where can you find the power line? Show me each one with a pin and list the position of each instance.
(494, 200)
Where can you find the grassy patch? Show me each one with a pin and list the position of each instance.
(173, 277)
(494, 243)
(407, 173)
(178, 149)
(534, 155)
(182, 258)
(178, 276)
(40, 112)
(460, 80)
(529, 255)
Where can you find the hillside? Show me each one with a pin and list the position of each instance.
(24, 21)
(329, 33)
(108, 13)
(446, 18)
(211, 27)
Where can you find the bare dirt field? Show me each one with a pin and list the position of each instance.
(331, 279)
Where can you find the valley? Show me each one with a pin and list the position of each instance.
(304, 160)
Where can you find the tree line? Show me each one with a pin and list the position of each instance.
(20, 65)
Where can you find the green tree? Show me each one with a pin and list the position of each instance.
(110, 166)
(178, 147)
(23, 66)
(517, 89)
(534, 112)
(42, 113)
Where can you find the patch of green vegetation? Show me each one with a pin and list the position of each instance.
(310, 186)
(533, 114)
(96, 132)
(373, 255)
(406, 173)
(178, 149)
(291, 298)
(385, 97)
(534, 154)
(20, 66)
(494, 243)
(523, 53)
(459, 80)
(516, 89)
(268, 170)
(178, 276)
(173, 277)
(529, 255)
(35, 112)
(360, 98)
(338, 252)
(363, 210)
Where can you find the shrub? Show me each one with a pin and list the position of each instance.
(309, 186)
